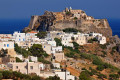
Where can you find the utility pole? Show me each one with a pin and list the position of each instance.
(65, 69)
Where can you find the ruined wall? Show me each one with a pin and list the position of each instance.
(33, 21)
(100, 26)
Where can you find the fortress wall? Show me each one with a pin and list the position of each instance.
(32, 21)
(65, 24)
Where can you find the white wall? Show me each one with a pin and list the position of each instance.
(19, 36)
(7, 45)
(62, 75)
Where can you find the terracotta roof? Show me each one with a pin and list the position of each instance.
(5, 37)
(32, 32)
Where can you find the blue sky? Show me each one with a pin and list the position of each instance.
(23, 9)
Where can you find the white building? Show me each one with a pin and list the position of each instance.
(66, 40)
(81, 40)
(56, 65)
(19, 56)
(5, 37)
(25, 67)
(31, 36)
(47, 48)
(17, 36)
(52, 43)
(62, 75)
(34, 59)
(95, 34)
(6, 45)
(56, 49)
(41, 66)
(102, 40)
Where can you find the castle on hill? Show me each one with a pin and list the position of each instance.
(69, 18)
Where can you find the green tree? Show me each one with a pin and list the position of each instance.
(18, 60)
(101, 76)
(75, 18)
(1, 76)
(92, 40)
(22, 51)
(3, 52)
(41, 59)
(36, 78)
(76, 45)
(7, 74)
(113, 76)
(53, 78)
(42, 34)
(100, 67)
(58, 42)
(37, 50)
(84, 75)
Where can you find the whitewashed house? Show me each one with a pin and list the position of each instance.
(56, 65)
(66, 74)
(47, 48)
(41, 66)
(19, 56)
(34, 59)
(95, 34)
(52, 43)
(56, 49)
(102, 40)
(32, 36)
(67, 41)
(18, 37)
(6, 45)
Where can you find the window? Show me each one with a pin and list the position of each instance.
(19, 39)
(16, 67)
(44, 46)
(4, 45)
(7, 45)
(31, 67)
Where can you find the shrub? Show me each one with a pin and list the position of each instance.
(101, 76)
(53, 78)
(83, 68)
(41, 34)
(84, 75)
(18, 60)
(1, 76)
(94, 71)
(17, 75)
(40, 59)
(69, 30)
(22, 51)
(92, 40)
(100, 67)
(58, 42)
(76, 45)
(37, 50)
(103, 46)
(75, 18)
(68, 13)
(113, 76)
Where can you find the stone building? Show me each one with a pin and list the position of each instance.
(25, 67)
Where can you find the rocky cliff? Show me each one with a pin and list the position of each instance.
(69, 18)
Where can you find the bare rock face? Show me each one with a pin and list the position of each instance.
(69, 18)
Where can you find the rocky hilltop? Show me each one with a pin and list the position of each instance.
(69, 18)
